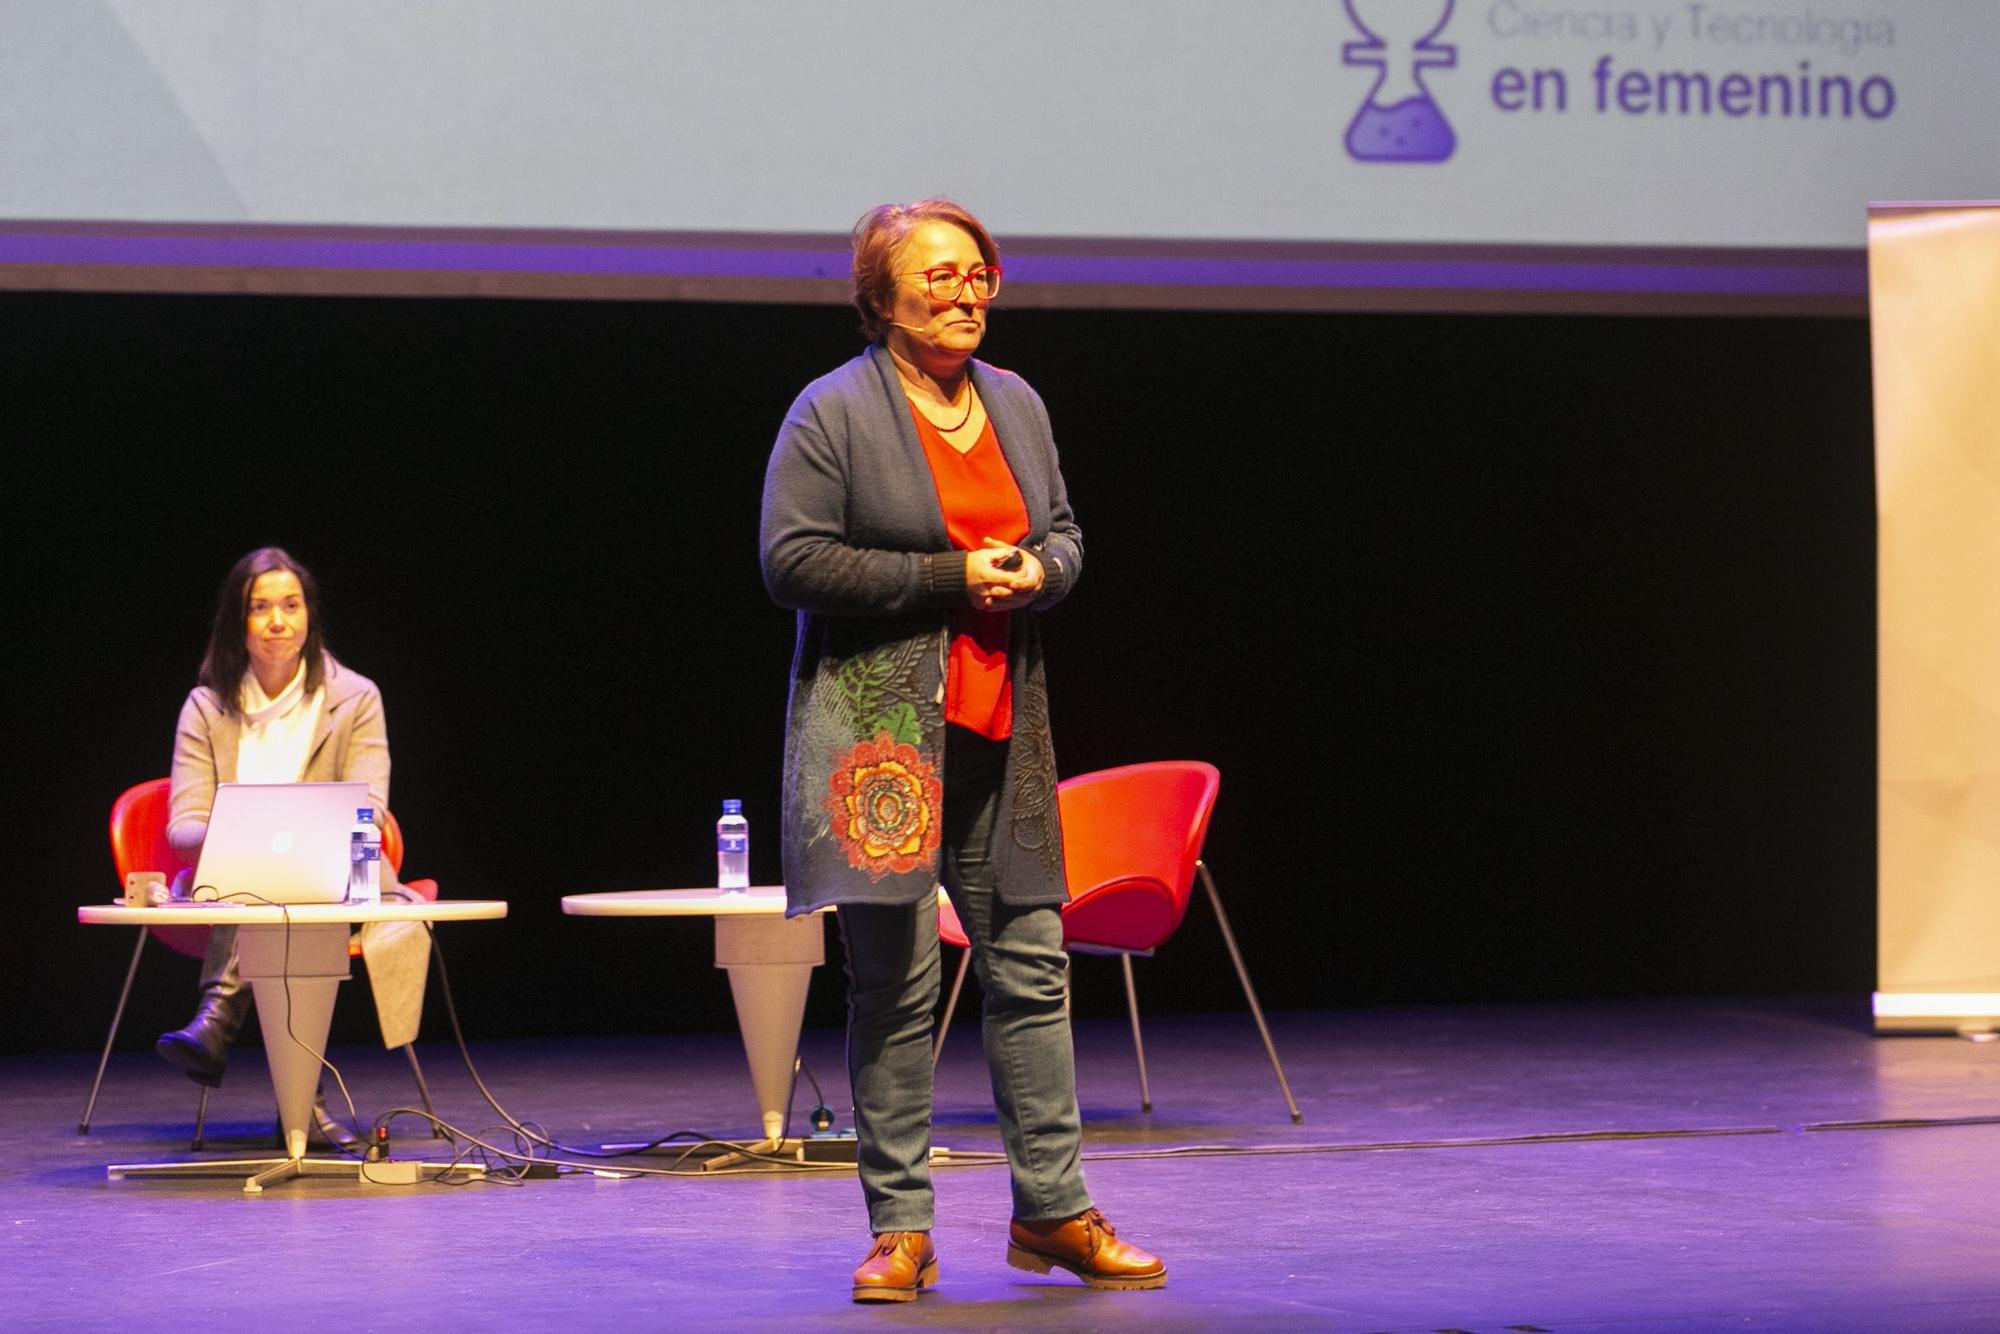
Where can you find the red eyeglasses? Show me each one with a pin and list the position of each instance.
(945, 284)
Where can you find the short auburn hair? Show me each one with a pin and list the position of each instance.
(880, 234)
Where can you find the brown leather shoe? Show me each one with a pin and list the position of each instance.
(1088, 1247)
(901, 1265)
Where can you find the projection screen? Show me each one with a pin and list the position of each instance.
(1448, 154)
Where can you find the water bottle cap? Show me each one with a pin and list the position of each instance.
(365, 813)
(732, 806)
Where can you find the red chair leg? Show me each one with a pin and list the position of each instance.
(937, 1046)
(1138, 1043)
(1249, 994)
(423, 1090)
(117, 1016)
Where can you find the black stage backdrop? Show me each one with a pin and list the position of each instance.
(1536, 653)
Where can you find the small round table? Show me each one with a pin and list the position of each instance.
(295, 959)
(769, 958)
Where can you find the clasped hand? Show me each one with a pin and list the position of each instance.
(991, 587)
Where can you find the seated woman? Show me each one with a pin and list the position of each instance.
(272, 706)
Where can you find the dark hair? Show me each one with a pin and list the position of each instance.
(881, 232)
(228, 657)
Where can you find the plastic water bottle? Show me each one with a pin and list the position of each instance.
(364, 858)
(732, 847)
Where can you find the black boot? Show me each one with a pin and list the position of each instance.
(201, 1050)
(327, 1130)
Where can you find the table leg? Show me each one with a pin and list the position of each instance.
(770, 962)
(296, 972)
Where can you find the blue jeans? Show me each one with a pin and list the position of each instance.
(893, 971)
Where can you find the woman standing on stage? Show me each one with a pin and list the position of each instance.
(915, 517)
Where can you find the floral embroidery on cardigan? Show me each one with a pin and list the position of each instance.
(878, 691)
(886, 806)
(1034, 822)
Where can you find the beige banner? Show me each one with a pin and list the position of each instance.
(1934, 278)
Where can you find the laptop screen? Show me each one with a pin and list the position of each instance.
(279, 842)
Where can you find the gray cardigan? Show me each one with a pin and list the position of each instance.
(350, 744)
(853, 539)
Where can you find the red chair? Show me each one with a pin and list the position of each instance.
(1132, 841)
(139, 843)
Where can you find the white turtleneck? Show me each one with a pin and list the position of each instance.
(277, 735)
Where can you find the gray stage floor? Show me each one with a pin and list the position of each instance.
(1385, 1211)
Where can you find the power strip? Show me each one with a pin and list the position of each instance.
(391, 1173)
(829, 1149)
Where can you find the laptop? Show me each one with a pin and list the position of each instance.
(278, 842)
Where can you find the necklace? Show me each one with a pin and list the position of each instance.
(971, 402)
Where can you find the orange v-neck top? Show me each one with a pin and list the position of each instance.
(980, 499)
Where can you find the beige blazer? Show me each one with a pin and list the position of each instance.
(351, 744)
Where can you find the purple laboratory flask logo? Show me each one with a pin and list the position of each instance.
(1400, 121)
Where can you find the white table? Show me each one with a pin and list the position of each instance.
(295, 959)
(769, 959)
